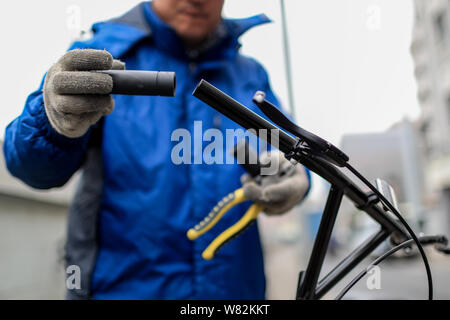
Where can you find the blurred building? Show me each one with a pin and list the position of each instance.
(32, 236)
(430, 49)
(394, 156)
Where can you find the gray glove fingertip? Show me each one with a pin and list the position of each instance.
(245, 178)
(80, 104)
(83, 83)
(253, 191)
(118, 65)
(86, 60)
(279, 192)
(109, 108)
(72, 115)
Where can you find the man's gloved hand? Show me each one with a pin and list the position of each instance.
(74, 98)
(279, 192)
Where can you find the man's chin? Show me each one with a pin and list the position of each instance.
(194, 38)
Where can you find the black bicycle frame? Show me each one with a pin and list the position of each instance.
(309, 286)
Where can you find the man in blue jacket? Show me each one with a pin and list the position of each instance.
(127, 224)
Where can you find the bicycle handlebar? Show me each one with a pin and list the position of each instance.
(240, 114)
(324, 159)
(250, 120)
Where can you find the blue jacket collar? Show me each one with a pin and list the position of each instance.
(141, 22)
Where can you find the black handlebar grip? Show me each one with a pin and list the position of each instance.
(142, 83)
(243, 116)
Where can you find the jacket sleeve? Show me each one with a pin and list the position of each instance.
(35, 153)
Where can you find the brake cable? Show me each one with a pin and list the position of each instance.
(403, 221)
(431, 239)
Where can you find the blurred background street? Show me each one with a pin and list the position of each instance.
(373, 78)
(401, 278)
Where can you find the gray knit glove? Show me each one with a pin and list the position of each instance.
(74, 98)
(280, 191)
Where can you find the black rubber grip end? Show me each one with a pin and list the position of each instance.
(142, 83)
(167, 83)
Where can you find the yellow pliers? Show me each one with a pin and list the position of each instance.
(216, 214)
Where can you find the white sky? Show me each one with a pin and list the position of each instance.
(351, 63)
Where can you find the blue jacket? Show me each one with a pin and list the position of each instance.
(129, 235)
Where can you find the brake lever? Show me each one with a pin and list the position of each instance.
(319, 146)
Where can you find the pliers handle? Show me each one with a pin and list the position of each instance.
(216, 214)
